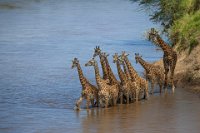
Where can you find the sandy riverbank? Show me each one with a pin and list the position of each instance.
(187, 72)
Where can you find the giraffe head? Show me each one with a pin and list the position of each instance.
(120, 60)
(91, 62)
(75, 63)
(137, 57)
(97, 51)
(115, 58)
(104, 55)
(153, 35)
(123, 55)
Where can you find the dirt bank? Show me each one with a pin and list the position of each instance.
(187, 72)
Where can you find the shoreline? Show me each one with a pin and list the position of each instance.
(187, 71)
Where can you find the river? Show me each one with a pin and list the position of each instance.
(38, 88)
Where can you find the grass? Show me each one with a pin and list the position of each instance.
(185, 31)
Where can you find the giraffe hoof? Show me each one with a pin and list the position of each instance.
(77, 108)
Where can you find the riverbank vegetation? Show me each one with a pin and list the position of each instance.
(180, 21)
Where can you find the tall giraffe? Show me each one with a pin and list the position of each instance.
(104, 89)
(97, 52)
(154, 73)
(125, 70)
(142, 83)
(133, 85)
(112, 78)
(89, 91)
(126, 88)
(169, 56)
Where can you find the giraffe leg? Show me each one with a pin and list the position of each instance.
(121, 97)
(152, 87)
(166, 67)
(137, 95)
(78, 103)
(101, 102)
(87, 103)
(146, 91)
(91, 97)
(113, 100)
(97, 100)
(127, 98)
(160, 85)
(106, 103)
(172, 79)
(92, 102)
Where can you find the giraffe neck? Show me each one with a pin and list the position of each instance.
(104, 69)
(165, 47)
(81, 76)
(133, 73)
(120, 73)
(97, 75)
(112, 78)
(144, 64)
(126, 71)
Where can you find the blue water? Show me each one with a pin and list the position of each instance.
(38, 40)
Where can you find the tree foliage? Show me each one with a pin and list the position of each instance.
(180, 19)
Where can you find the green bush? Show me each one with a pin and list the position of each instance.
(185, 32)
(180, 20)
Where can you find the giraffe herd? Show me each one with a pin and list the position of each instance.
(130, 87)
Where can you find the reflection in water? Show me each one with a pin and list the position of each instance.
(162, 113)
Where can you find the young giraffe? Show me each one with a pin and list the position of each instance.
(97, 52)
(125, 89)
(154, 73)
(104, 89)
(89, 91)
(169, 57)
(112, 79)
(142, 83)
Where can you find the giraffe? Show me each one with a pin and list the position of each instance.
(97, 52)
(154, 73)
(133, 84)
(125, 89)
(141, 83)
(169, 57)
(112, 79)
(89, 91)
(104, 89)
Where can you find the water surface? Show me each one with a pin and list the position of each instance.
(38, 89)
